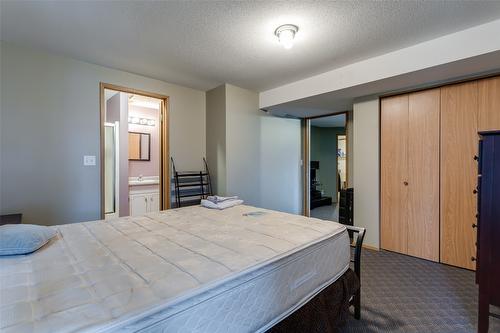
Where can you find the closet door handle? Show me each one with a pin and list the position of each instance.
(406, 183)
(472, 259)
(145, 199)
(474, 191)
(476, 158)
(474, 225)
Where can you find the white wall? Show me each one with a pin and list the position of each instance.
(50, 119)
(366, 165)
(280, 164)
(216, 138)
(263, 153)
(243, 137)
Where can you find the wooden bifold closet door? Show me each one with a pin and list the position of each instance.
(394, 172)
(459, 142)
(410, 174)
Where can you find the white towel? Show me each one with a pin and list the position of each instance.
(221, 205)
(217, 199)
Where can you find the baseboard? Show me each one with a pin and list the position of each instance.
(369, 247)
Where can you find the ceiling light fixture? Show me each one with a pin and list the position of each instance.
(286, 34)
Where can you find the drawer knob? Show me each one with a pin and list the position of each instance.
(406, 183)
(474, 191)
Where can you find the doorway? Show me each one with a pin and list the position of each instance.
(326, 157)
(134, 152)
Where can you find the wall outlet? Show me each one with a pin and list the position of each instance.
(88, 160)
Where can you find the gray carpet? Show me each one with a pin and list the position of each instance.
(404, 294)
(330, 212)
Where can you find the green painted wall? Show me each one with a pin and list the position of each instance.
(324, 150)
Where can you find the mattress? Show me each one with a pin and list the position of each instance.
(183, 270)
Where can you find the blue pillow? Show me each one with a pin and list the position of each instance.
(23, 238)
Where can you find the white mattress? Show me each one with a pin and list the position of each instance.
(183, 270)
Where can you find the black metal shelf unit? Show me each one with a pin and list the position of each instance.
(190, 186)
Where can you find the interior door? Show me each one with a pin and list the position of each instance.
(394, 173)
(423, 179)
(459, 141)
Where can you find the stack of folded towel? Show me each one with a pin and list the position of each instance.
(217, 202)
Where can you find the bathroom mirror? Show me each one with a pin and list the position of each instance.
(139, 146)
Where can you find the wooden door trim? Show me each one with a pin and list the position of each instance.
(164, 140)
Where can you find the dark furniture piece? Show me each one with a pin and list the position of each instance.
(328, 311)
(11, 219)
(191, 186)
(488, 227)
(357, 235)
(346, 206)
(317, 200)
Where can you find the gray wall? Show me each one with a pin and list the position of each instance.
(243, 134)
(324, 150)
(216, 138)
(280, 164)
(366, 168)
(263, 153)
(50, 119)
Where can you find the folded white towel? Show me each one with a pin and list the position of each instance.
(221, 205)
(217, 199)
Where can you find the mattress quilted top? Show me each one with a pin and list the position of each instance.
(96, 276)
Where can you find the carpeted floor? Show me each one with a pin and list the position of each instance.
(330, 212)
(404, 294)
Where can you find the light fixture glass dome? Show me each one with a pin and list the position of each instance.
(286, 34)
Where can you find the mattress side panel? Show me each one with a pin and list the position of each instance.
(264, 299)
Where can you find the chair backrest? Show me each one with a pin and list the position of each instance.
(360, 235)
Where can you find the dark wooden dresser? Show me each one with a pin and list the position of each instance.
(488, 232)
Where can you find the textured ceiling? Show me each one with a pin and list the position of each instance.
(204, 44)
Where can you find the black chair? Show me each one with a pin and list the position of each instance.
(360, 235)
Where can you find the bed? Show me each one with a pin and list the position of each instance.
(192, 269)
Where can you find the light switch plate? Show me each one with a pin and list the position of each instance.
(88, 160)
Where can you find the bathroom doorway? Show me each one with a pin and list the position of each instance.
(134, 152)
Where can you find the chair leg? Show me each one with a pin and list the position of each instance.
(357, 305)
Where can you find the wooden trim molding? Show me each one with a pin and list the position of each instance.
(132, 91)
(164, 140)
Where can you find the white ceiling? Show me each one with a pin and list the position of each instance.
(330, 121)
(204, 44)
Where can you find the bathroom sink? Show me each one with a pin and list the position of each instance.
(138, 181)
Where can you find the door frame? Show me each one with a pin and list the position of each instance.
(306, 156)
(346, 169)
(116, 129)
(164, 140)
